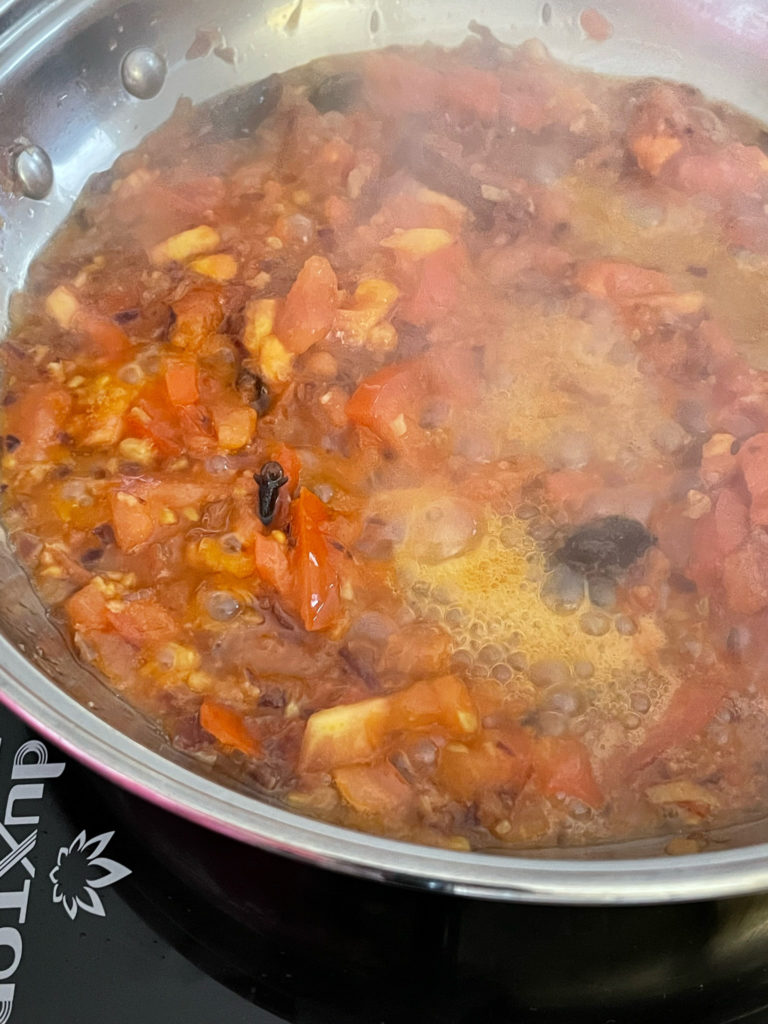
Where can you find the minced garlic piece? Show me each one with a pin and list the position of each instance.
(62, 305)
(418, 243)
(221, 266)
(186, 244)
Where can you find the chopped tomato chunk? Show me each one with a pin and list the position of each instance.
(352, 733)
(498, 759)
(731, 520)
(745, 575)
(399, 85)
(229, 727)
(107, 339)
(562, 767)
(753, 458)
(690, 709)
(131, 519)
(378, 790)
(36, 418)
(621, 281)
(271, 561)
(87, 609)
(314, 562)
(387, 402)
(437, 288)
(143, 621)
(310, 306)
(198, 315)
(181, 382)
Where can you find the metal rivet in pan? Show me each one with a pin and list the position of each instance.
(33, 171)
(143, 72)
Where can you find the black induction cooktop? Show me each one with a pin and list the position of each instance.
(115, 912)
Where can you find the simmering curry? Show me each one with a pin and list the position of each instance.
(396, 429)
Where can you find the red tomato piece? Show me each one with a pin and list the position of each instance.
(729, 171)
(290, 461)
(525, 109)
(562, 766)
(442, 703)
(143, 622)
(386, 402)
(706, 560)
(395, 84)
(310, 306)
(437, 288)
(621, 281)
(87, 609)
(375, 789)
(689, 711)
(198, 315)
(106, 337)
(473, 91)
(131, 519)
(36, 418)
(753, 459)
(745, 575)
(316, 583)
(152, 416)
(572, 487)
(731, 520)
(498, 759)
(228, 727)
(596, 25)
(271, 561)
(181, 382)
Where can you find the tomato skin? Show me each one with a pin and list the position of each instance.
(310, 306)
(690, 709)
(386, 401)
(316, 583)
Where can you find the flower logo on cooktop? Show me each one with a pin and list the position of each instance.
(80, 870)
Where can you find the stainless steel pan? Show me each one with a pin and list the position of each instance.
(81, 82)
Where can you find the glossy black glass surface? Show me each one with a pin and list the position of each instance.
(205, 930)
